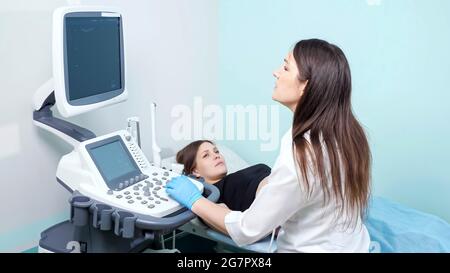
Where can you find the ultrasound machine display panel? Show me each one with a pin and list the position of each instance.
(113, 161)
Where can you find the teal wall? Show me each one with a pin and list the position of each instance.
(399, 54)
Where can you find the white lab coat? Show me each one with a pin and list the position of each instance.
(307, 224)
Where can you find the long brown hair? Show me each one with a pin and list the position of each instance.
(325, 111)
(186, 156)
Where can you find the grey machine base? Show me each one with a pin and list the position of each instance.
(97, 227)
(65, 237)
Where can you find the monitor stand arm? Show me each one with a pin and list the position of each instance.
(43, 117)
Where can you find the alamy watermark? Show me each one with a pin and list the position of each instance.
(231, 122)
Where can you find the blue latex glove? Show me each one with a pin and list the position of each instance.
(183, 191)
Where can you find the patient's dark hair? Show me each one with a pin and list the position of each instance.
(186, 156)
(325, 111)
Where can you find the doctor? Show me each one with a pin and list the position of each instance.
(319, 186)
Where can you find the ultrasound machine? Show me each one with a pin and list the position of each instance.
(118, 201)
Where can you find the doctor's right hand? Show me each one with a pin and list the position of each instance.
(183, 191)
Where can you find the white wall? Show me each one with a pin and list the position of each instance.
(171, 56)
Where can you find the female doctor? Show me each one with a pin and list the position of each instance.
(318, 189)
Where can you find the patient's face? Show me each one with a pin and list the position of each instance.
(210, 164)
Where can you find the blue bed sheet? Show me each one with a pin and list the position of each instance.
(397, 228)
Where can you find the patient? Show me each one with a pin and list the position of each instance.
(203, 160)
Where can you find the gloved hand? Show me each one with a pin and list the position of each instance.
(183, 191)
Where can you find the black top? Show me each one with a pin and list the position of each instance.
(237, 190)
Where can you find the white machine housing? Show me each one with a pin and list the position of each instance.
(78, 172)
(58, 83)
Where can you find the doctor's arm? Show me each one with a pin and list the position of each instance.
(212, 213)
(274, 204)
(187, 194)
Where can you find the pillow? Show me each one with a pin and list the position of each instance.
(233, 160)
